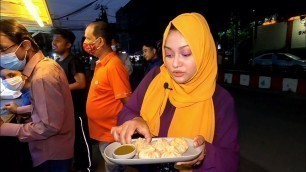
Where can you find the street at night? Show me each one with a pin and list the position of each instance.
(272, 130)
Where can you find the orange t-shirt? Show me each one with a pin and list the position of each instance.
(109, 84)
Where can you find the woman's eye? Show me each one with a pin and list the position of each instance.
(186, 55)
(168, 55)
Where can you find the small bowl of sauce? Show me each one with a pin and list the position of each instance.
(126, 151)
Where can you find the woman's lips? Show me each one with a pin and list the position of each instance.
(178, 73)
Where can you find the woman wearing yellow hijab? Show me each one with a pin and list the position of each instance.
(181, 99)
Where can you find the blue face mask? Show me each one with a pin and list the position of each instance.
(11, 61)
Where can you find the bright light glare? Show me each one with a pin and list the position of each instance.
(33, 10)
(219, 46)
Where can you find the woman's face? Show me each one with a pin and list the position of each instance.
(148, 53)
(179, 59)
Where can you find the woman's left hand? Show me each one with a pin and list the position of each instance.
(198, 141)
(11, 106)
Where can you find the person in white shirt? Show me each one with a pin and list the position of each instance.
(123, 56)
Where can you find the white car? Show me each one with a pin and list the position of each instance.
(280, 62)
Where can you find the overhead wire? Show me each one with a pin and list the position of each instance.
(76, 11)
(86, 11)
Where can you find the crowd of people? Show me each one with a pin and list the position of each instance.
(63, 114)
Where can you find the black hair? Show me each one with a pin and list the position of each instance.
(65, 33)
(151, 44)
(115, 37)
(102, 29)
(16, 32)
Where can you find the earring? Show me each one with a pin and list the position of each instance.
(25, 56)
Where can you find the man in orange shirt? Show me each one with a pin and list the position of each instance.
(109, 88)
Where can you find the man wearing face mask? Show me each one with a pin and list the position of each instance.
(109, 89)
(50, 135)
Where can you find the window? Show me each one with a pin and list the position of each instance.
(283, 57)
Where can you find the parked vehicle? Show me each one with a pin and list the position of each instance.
(282, 62)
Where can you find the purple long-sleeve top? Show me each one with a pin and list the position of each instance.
(222, 155)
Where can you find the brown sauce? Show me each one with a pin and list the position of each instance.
(123, 150)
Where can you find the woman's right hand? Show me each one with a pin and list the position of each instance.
(124, 132)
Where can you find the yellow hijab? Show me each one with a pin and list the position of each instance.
(194, 114)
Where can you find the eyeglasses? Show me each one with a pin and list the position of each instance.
(86, 41)
(5, 49)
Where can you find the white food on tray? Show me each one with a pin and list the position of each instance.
(190, 154)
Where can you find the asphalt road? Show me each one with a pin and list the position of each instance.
(272, 130)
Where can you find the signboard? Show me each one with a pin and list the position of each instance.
(245, 80)
(290, 84)
(298, 39)
(228, 78)
(264, 82)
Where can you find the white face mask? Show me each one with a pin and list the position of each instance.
(15, 84)
(11, 61)
(114, 47)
